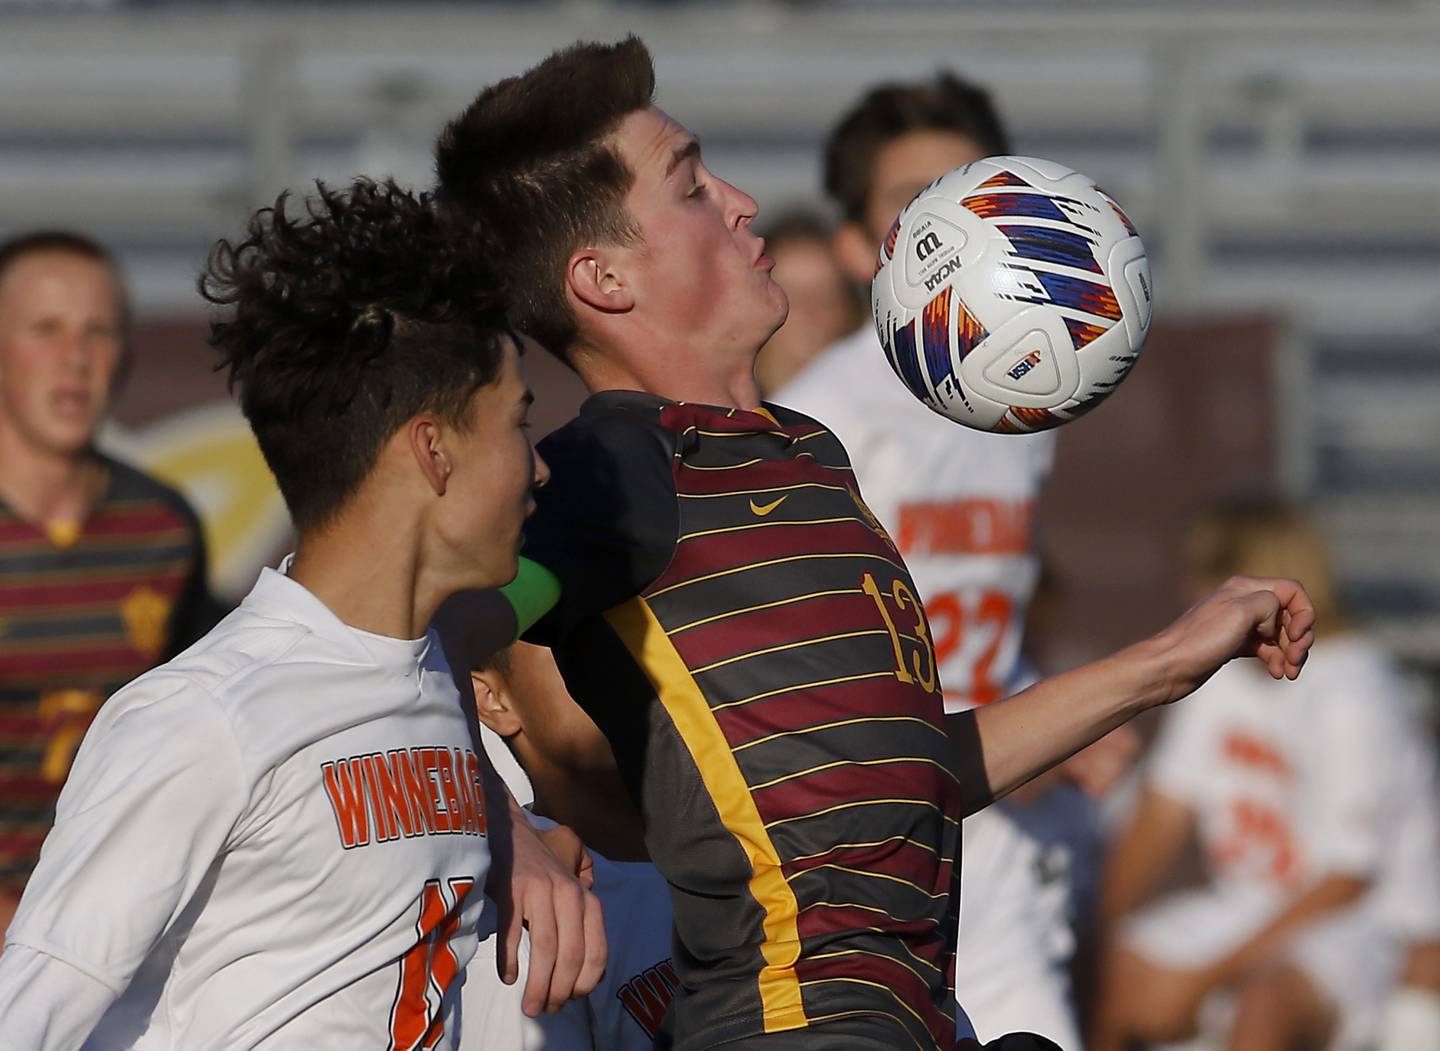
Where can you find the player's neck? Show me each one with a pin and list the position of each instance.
(44, 487)
(368, 575)
(597, 808)
(727, 384)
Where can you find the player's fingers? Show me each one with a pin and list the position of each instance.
(507, 953)
(540, 918)
(596, 949)
(569, 944)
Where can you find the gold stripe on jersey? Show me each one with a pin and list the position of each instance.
(835, 1016)
(805, 686)
(682, 699)
(765, 524)
(722, 467)
(776, 562)
(862, 952)
(850, 762)
(764, 605)
(842, 722)
(858, 846)
(871, 875)
(801, 644)
(757, 492)
(865, 981)
(860, 803)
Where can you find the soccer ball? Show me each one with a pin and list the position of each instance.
(1012, 295)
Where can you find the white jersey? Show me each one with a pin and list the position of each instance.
(625, 1010)
(1290, 782)
(275, 840)
(957, 502)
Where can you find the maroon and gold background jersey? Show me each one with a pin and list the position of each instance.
(80, 616)
(748, 638)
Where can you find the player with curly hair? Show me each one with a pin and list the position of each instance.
(280, 837)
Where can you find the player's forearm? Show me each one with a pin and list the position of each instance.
(1330, 893)
(1003, 745)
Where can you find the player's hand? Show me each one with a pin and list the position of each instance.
(1271, 619)
(548, 894)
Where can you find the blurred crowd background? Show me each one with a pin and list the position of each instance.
(1279, 158)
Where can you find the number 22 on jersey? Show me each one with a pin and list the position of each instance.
(426, 971)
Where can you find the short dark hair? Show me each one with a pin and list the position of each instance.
(530, 158)
(344, 322)
(886, 112)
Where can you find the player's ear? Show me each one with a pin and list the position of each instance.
(492, 703)
(596, 278)
(424, 435)
(856, 252)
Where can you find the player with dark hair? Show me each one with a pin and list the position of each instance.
(102, 568)
(731, 615)
(279, 838)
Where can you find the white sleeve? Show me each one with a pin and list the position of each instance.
(30, 983)
(153, 794)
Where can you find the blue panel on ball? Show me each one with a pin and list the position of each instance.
(908, 362)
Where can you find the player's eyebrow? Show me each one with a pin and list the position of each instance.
(689, 151)
(528, 398)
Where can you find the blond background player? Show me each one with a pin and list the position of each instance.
(1315, 807)
(279, 838)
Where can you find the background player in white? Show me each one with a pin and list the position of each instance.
(279, 837)
(960, 506)
(551, 752)
(1315, 808)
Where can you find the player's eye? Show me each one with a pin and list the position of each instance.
(698, 190)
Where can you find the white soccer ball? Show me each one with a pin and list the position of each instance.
(1012, 295)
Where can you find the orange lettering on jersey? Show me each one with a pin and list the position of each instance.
(393, 802)
(446, 769)
(647, 996)
(399, 793)
(429, 764)
(1256, 753)
(477, 790)
(384, 824)
(417, 789)
(347, 799)
(966, 527)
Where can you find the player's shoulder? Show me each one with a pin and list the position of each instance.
(129, 484)
(614, 423)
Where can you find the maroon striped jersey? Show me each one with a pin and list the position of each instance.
(80, 618)
(746, 635)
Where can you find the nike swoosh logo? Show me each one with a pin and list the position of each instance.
(761, 510)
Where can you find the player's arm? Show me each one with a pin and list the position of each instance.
(1330, 892)
(535, 878)
(1003, 745)
(154, 794)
